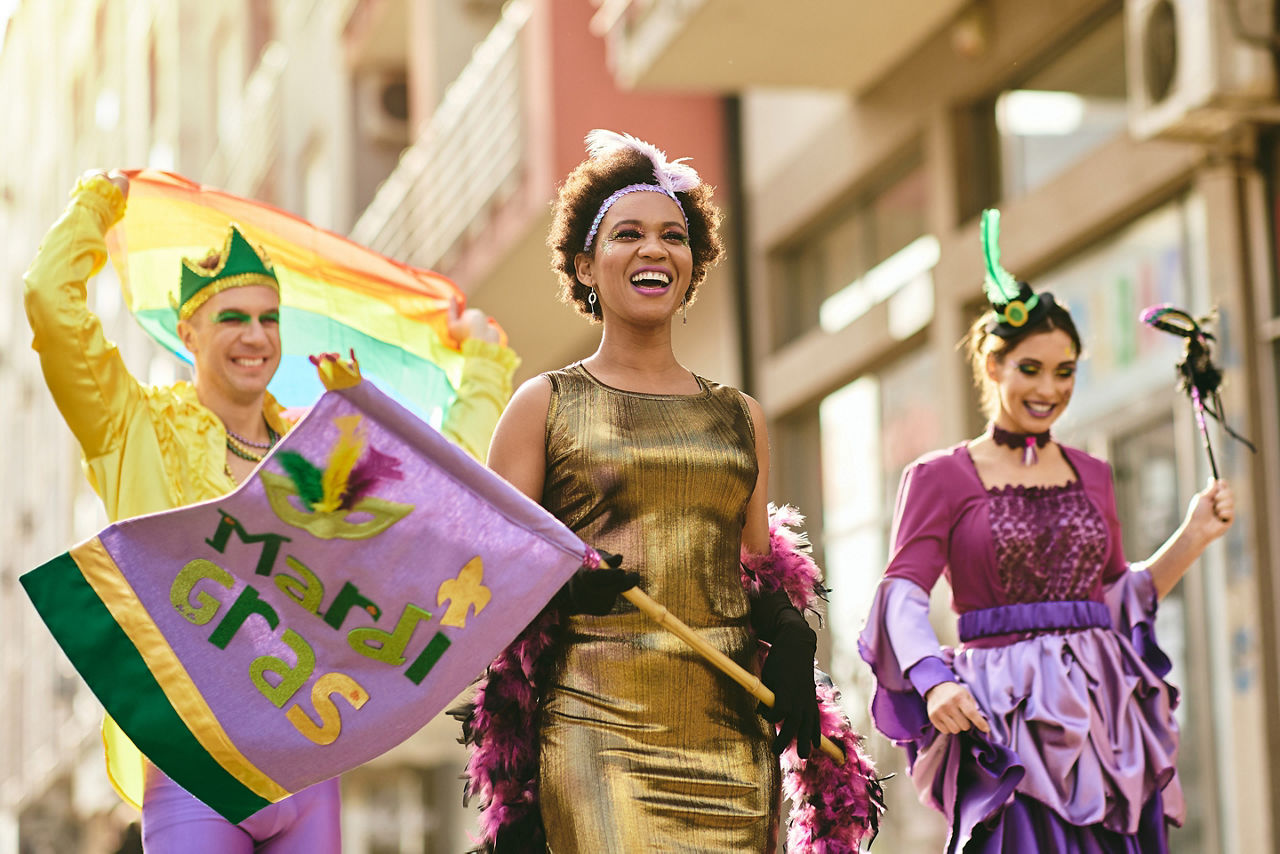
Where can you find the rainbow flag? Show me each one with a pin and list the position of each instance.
(336, 295)
(315, 617)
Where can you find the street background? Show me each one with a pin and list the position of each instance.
(1131, 146)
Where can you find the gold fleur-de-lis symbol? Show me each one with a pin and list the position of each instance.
(462, 593)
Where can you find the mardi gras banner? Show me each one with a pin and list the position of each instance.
(335, 294)
(315, 617)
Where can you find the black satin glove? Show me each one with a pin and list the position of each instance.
(594, 591)
(788, 671)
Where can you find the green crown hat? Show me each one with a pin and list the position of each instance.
(240, 264)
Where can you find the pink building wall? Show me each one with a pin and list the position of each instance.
(583, 95)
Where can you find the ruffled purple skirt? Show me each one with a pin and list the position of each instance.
(1083, 745)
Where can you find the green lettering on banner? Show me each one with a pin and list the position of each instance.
(349, 597)
(388, 647)
(422, 665)
(205, 606)
(270, 542)
(291, 678)
(307, 591)
(330, 726)
(246, 604)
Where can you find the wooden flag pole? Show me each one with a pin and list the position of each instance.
(660, 615)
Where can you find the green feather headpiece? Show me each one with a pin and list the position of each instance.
(1012, 301)
(239, 264)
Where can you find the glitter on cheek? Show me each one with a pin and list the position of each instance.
(609, 246)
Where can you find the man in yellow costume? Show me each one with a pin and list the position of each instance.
(152, 448)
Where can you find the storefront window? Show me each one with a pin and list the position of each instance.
(1044, 123)
(881, 231)
(871, 430)
(1149, 501)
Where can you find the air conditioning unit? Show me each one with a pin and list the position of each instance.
(1197, 67)
(382, 106)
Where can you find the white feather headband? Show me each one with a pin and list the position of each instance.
(672, 176)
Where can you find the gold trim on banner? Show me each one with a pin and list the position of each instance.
(119, 598)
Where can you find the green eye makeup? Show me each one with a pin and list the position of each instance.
(231, 315)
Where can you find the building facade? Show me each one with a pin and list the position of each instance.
(852, 145)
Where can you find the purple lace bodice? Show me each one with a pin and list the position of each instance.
(1050, 541)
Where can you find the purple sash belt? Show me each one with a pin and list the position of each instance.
(1033, 617)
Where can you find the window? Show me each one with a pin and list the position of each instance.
(1149, 500)
(1045, 122)
(835, 257)
(261, 28)
(871, 429)
(317, 184)
(228, 83)
(153, 81)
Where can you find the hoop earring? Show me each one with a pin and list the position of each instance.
(591, 300)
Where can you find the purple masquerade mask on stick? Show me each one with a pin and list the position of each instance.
(671, 176)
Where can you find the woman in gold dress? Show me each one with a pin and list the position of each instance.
(641, 743)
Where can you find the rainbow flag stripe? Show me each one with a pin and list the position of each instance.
(336, 295)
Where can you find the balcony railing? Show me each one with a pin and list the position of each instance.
(239, 164)
(636, 32)
(466, 160)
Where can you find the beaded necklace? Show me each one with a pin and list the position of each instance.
(265, 446)
(235, 443)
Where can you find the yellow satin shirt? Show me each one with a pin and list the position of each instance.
(151, 448)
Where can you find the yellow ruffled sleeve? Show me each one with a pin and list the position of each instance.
(487, 373)
(88, 379)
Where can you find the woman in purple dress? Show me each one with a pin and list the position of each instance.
(1050, 728)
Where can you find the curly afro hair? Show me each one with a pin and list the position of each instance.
(580, 197)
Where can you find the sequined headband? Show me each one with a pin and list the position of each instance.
(617, 194)
(670, 176)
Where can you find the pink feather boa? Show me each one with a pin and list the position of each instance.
(833, 808)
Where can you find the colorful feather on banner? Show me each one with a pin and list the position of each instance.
(336, 296)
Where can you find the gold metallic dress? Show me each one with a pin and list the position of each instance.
(645, 746)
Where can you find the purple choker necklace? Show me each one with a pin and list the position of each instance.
(1025, 442)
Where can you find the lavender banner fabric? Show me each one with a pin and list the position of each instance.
(328, 608)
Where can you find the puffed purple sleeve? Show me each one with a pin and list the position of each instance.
(897, 640)
(921, 526)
